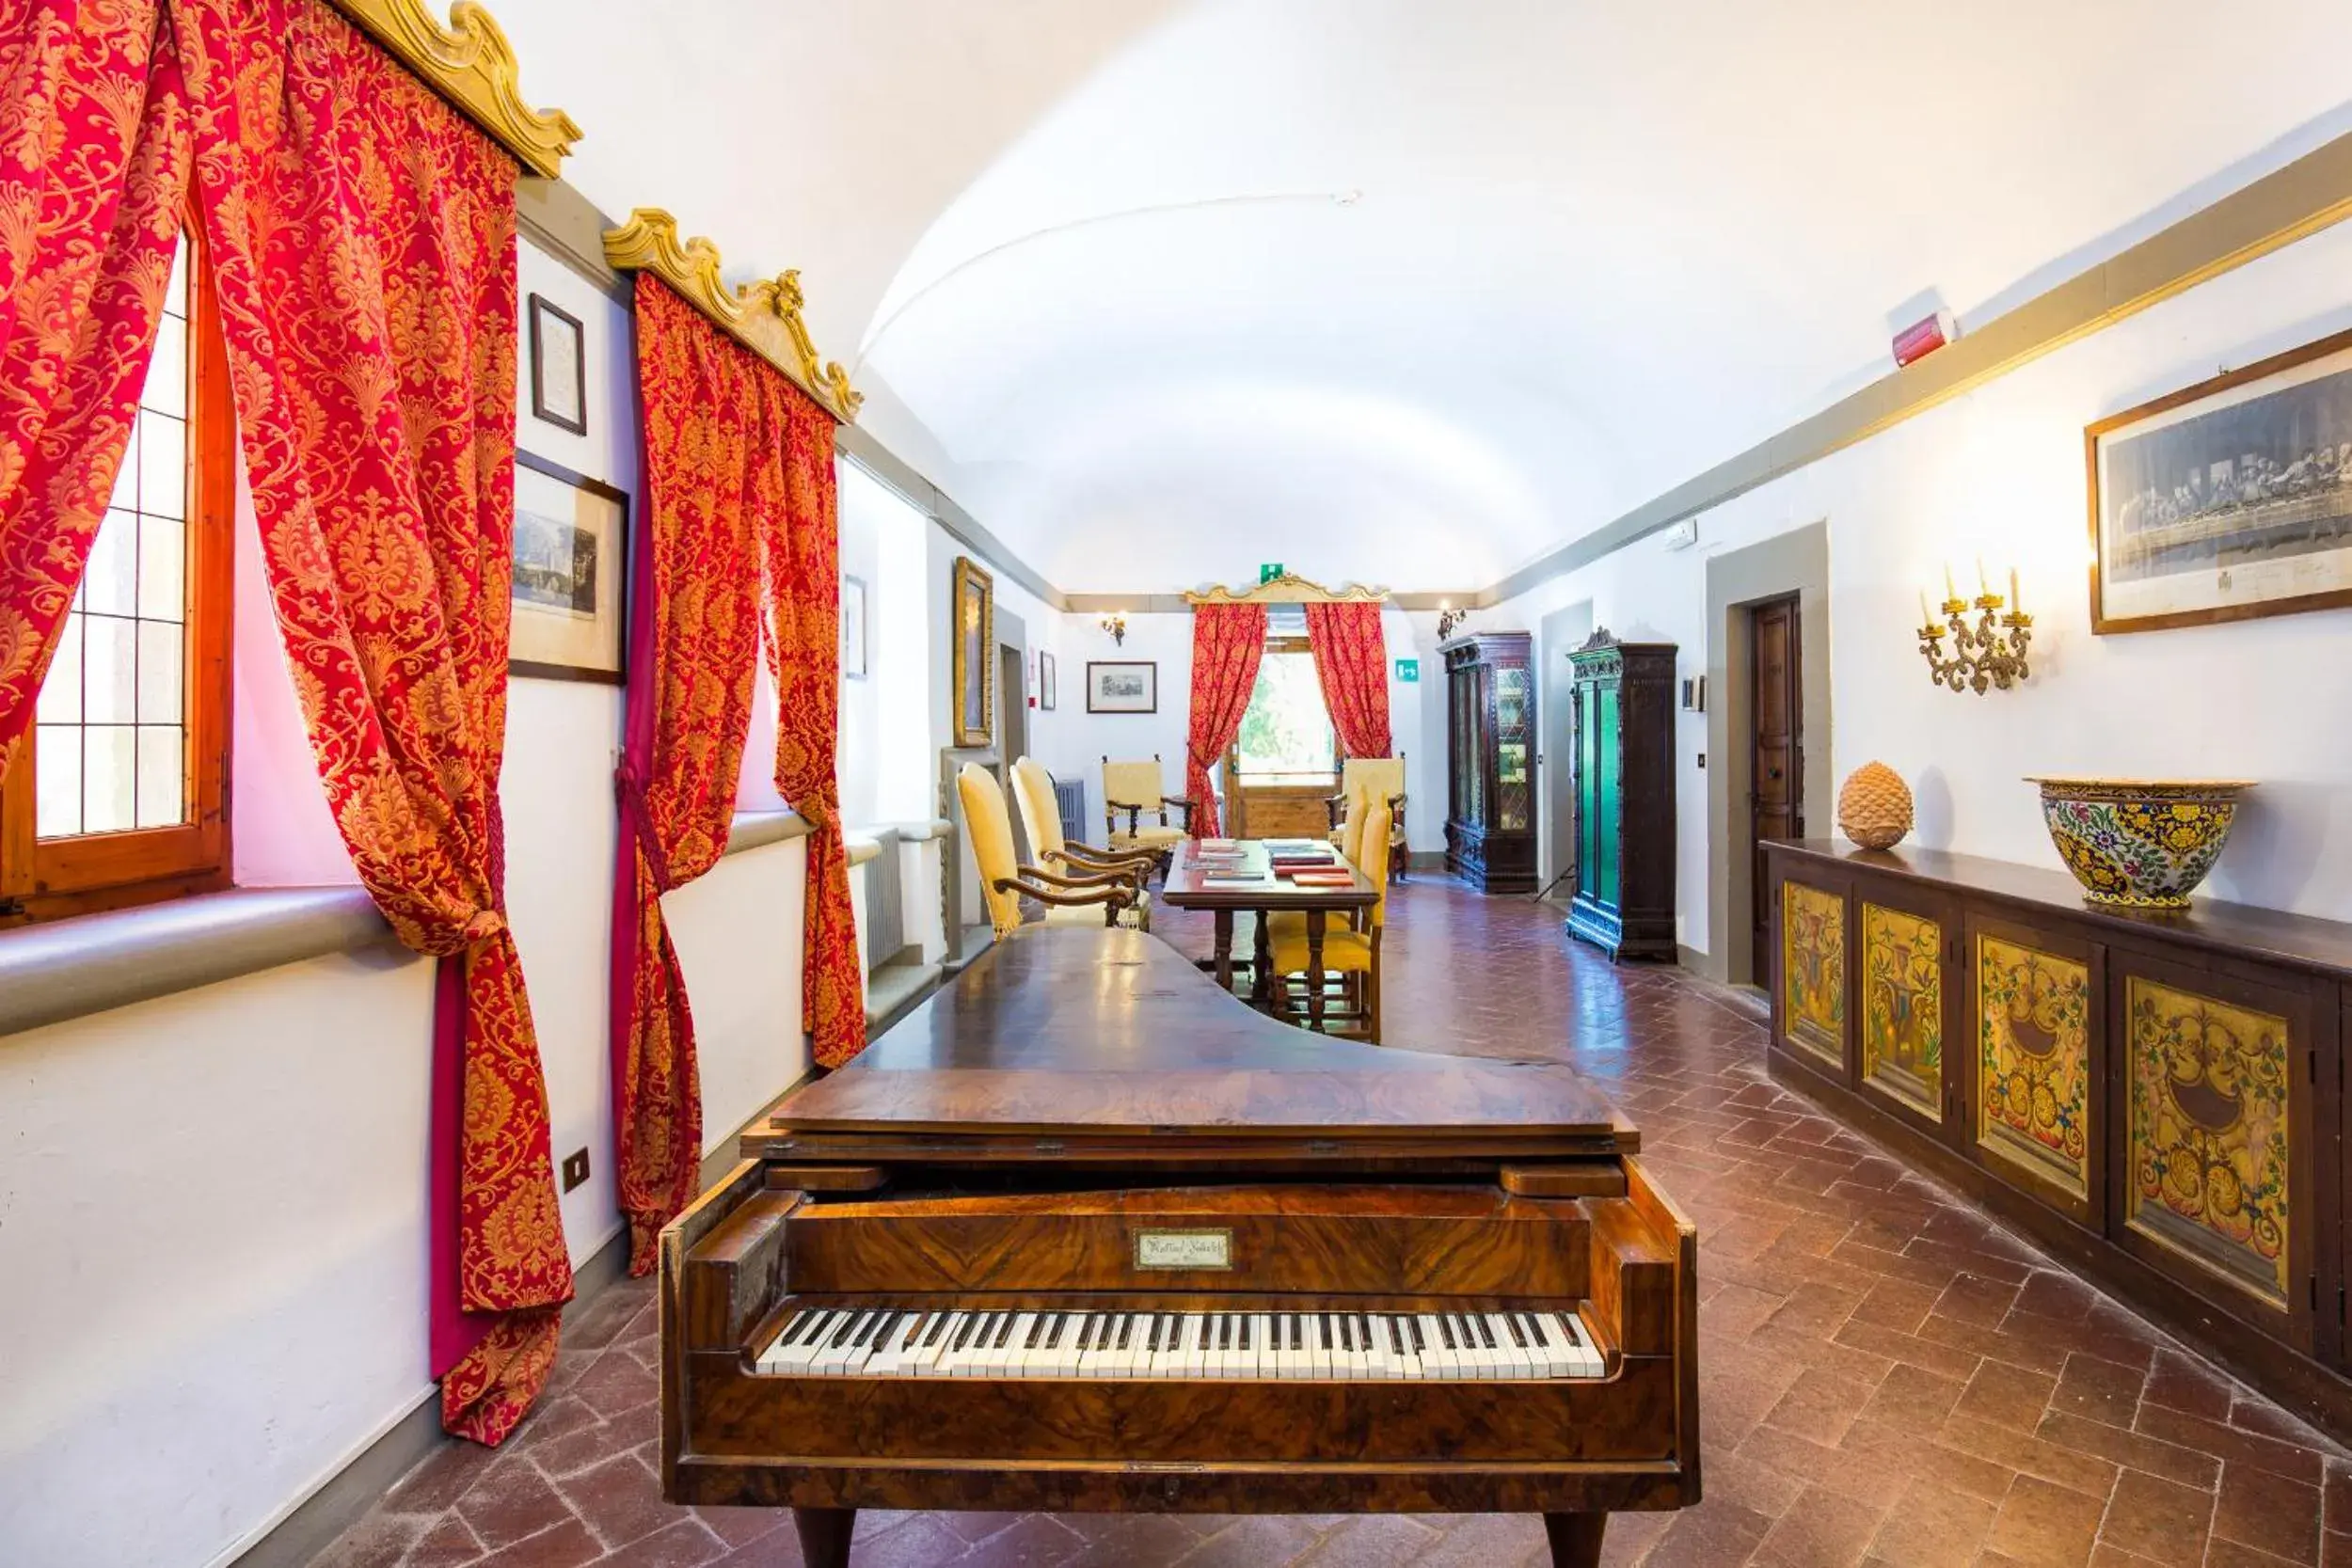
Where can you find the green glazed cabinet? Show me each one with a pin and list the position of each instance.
(1490, 751)
(1624, 713)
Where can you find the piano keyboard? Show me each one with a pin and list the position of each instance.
(1379, 1346)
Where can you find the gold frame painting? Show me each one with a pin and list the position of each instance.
(972, 635)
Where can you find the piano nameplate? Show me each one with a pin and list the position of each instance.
(1184, 1249)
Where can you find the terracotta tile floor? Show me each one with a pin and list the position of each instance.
(1888, 1377)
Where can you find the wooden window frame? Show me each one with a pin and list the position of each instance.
(50, 878)
(1326, 783)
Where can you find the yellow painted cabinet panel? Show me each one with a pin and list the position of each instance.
(2210, 1134)
(1903, 1007)
(1813, 969)
(2034, 1089)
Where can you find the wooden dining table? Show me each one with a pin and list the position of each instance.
(1260, 892)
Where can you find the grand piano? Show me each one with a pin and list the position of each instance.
(1085, 1233)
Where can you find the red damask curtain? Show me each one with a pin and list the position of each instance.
(716, 424)
(804, 651)
(1227, 642)
(363, 242)
(1352, 666)
(94, 144)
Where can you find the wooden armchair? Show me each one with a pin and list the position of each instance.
(1382, 780)
(1068, 900)
(1132, 788)
(1349, 974)
(1033, 792)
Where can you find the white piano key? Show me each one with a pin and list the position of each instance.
(1588, 1351)
(1566, 1360)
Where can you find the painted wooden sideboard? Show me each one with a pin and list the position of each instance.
(2155, 1098)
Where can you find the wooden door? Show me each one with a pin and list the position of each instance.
(1775, 764)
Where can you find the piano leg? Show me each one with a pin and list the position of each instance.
(825, 1535)
(1575, 1539)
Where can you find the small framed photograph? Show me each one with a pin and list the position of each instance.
(2228, 499)
(1122, 685)
(1046, 695)
(571, 563)
(852, 628)
(558, 367)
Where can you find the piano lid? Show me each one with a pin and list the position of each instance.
(1101, 1034)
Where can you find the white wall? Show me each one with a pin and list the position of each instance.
(2000, 473)
(213, 1205)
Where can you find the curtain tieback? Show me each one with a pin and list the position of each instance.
(631, 790)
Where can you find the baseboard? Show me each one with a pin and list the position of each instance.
(337, 1502)
(1425, 860)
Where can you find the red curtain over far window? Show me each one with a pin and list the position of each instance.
(804, 590)
(1227, 642)
(1352, 665)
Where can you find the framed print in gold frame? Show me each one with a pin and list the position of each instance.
(974, 635)
(2228, 499)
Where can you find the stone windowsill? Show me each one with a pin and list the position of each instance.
(92, 963)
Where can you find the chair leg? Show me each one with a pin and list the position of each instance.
(1371, 999)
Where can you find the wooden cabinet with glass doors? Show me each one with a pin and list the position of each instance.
(1490, 787)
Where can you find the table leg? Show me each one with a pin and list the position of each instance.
(1575, 1539)
(1315, 970)
(1262, 977)
(825, 1535)
(1225, 949)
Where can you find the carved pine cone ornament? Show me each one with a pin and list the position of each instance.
(1874, 806)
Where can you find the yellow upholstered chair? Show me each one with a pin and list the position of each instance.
(1040, 816)
(1105, 899)
(1130, 791)
(1351, 953)
(1383, 779)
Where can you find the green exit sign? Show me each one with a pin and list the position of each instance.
(1268, 571)
(1408, 669)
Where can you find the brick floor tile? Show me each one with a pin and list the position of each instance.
(2160, 1520)
(567, 1545)
(511, 1502)
(1909, 1349)
(2268, 1513)
(1254, 1542)
(451, 1544)
(1897, 1303)
(2045, 1526)
(1820, 1529)
(681, 1543)
(2008, 1395)
(2133, 1450)
(2030, 1456)
(620, 1499)
(1973, 1298)
(1706, 1537)
(617, 1384)
(378, 1541)
(1372, 1540)
(2098, 1391)
(1036, 1540)
(2183, 1382)
(1819, 1406)
(1915, 1399)
(1933, 1526)
(740, 1527)
(2229, 1444)
(1507, 1539)
(2230, 1554)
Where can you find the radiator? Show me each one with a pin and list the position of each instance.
(1070, 800)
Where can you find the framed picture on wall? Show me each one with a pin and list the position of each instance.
(558, 367)
(852, 628)
(1122, 685)
(973, 638)
(571, 562)
(1046, 692)
(2228, 499)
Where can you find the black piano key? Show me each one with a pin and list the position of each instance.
(1102, 1328)
(802, 1325)
(1420, 1346)
(842, 1335)
(939, 1328)
(1347, 1333)
(1396, 1339)
(1519, 1335)
(1299, 1332)
(1004, 1331)
(879, 1336)
(1245, 1334)
(1126, 1330)
(1323, 1329)
(1363, 1332)
(1445, 1329)
(963, 1335)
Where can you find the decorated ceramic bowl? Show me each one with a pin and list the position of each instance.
(2141, 843)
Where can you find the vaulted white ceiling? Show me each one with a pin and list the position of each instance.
(1395, 291)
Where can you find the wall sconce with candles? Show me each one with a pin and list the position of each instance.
(1449, 618)
(1988, 653)
(1116, 625)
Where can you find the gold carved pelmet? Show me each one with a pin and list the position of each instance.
(1290, 588)
(764, 317)
(469, 61)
